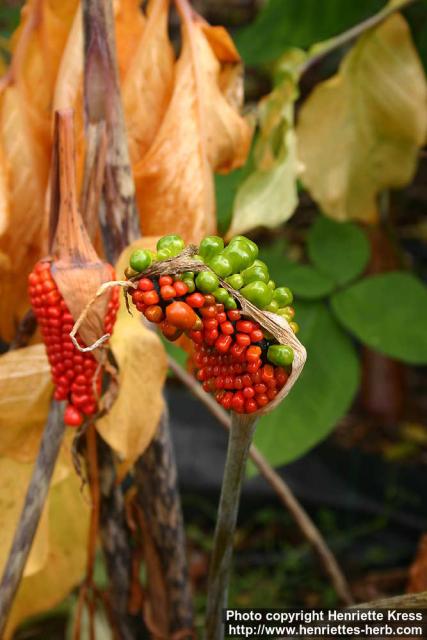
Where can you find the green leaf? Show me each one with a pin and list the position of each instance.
(360, 131)
(388, 313)
(304, 281)
(321, 396)
(287, 23)
(340, 250)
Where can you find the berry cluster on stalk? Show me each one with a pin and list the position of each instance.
(235, 359)
(76, 375)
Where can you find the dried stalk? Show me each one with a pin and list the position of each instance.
(241, 434)
(322, 49)
(156, 480)
(282, 489)
(116, 545)
(32, 510)
(120, 225)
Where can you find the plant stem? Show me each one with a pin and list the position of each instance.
(322, 49)
(33, 507)
(241, 434)
(282, 489)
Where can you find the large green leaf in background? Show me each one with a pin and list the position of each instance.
(305, 281)
(299, 23)
(321, 396)
(338, 249)
(387, 312)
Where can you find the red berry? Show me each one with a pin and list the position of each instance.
(238, 402)
(251, 406)
(180, 288)
(223, 343)
(154, 313)
(243, 339)
(257, 335)
(167, 292)
(253, 353)
(195, 300)
(72, 416)
(145, 284)
(227, 328)
(234, 315)
(248, 392)
(245, 326)
(181, 315)
(150, 297)
(165, 280)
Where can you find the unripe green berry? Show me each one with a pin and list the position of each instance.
(236, 281)
(283, 295)
(258, 293)
(210, 246)
(207, 281)
(221, 265)
(221, 295)
(174, 243)
(280, 354)
(140, 260)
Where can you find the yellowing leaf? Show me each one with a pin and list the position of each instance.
(148, 82)
(66, 558)
(268, 196)
(25, 390)
(14, 480)
(134, 417)
(199, 133)
(360, 131)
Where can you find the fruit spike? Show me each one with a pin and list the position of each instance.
(75, 374)
(243, 368)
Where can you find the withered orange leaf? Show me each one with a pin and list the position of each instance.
(148, 83)
(130, 23)
(201, 132)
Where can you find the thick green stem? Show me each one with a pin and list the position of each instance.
(241, 434)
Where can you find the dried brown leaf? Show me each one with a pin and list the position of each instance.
(200, 133)
(148, 83)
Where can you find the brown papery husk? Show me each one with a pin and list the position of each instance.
(76, 267)
(274, 324)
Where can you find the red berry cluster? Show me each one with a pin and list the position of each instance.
(230, 351)
(76, 375)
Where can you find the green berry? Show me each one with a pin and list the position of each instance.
(280, 354)
(252, 246)
(286, 312)
(240, 256)
(221, 265)
(175, 244)
(256, 272)
(210, 246)
(221, 295)
(188, 274)
(190, 284)
(235, 281)
(140, 259)
(230, 303)
(273, 306)
(258, 293)
(164, 254)
(207, 281)
(283, 295)
(271, 284)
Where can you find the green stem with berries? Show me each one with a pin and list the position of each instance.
(241, 434)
